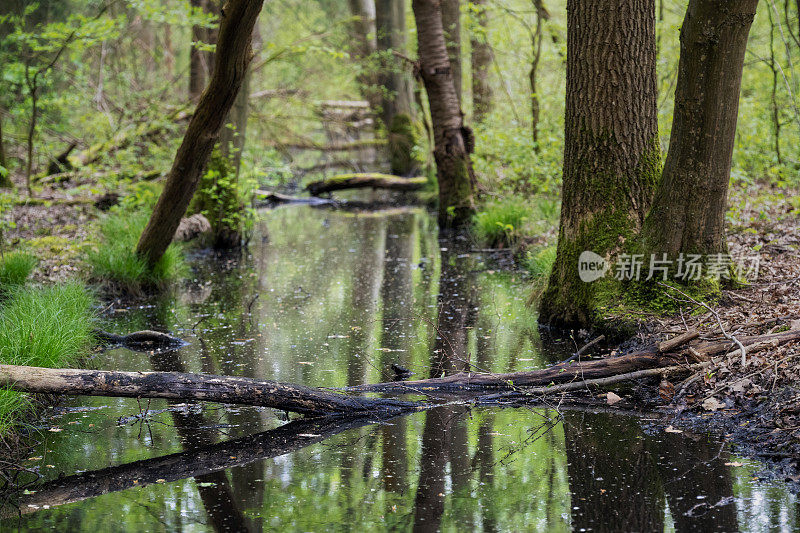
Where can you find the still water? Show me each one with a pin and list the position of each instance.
(328, 298)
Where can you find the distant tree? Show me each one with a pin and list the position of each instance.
(688, 212)
(5, 180)
(201, 62)
(451, 22)
(611, 151)
(362, 46)
(537, 34)
(233, 55)
(481, 56)
(452, 141)
(397, 100)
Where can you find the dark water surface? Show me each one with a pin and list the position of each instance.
(332, 299)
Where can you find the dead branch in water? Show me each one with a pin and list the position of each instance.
(365, 181)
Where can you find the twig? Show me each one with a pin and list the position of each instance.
(583, 350)
(716, 315)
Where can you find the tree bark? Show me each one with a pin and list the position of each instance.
(690, 202)
(481, 62)
(611, 153)
(231, 60)
(451, 148)
(199, 387)
(451, 23)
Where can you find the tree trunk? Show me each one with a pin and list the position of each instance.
(452, 140)
(542, 15)
(690, 202)
(611, 153)
(451, 23)
(201, 63)
(481, 61)
(362, 39)
(231, 60)
(5, 180)
(390, 22)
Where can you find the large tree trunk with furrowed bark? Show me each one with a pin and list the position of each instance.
(688, 212)
(232, 58)
(453, 165)
(611, 153)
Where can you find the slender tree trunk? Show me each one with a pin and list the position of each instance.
(481, 62)
(611, 152)
(231, 61)
(689, 207)
(397, 110)
(5, 180)
(451, 23)
(773, 66)
(542, 15)
(363, 45)
(201, 63)
(451, 148)
(390, 22)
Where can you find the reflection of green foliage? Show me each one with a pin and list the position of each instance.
(49, 327)
(115, 260)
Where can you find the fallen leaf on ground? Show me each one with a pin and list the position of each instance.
(712, 404)
(734, 463)
(612, 398)
(670, 429)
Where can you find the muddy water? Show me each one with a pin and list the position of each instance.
(332, 299)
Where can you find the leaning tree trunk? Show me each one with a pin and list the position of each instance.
(611, 154)
(201, 63)
(232, 57)
(451, 148)
(688, 212)
(481, 61)
(451, 23)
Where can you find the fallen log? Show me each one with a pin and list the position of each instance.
(274, 198)
(194, 387)
(571, 371)
(364, 181)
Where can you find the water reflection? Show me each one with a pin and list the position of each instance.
(331, 299)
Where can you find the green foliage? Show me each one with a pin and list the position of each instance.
(220, 197)
(114, 260)
(403, 138)
(539, 263)
(15, 268)
(48, 327)
(506, 221)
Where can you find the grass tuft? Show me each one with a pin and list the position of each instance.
(115, 260)
(506, 221)
(47, 327)
(15, 269)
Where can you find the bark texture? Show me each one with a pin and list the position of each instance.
(453, 165)
(481, 62)
(184, 386)
(231, 61)
(689, 206)
(611, 153)
(451, 24)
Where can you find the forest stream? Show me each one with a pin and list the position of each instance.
(329, 298)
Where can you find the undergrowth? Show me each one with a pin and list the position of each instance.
(15, 267)
(505, 222)
(45, 327)
(115, 262)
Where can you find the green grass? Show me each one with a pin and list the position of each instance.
(115, 260)
(505, 221)
(15, 269)
(48, 327)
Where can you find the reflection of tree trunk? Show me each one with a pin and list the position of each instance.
(193, 430)
(692, 468)
(484, 457)
(429, 501)
(364, 294)
(613, 480)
